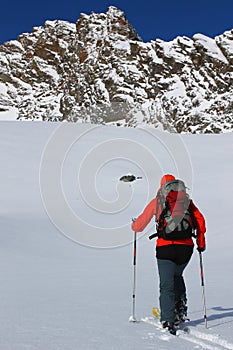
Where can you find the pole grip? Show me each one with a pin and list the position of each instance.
(201, 270)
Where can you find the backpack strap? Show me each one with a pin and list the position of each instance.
(158, 202)
(153, 236)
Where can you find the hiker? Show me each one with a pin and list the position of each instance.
(174, 248)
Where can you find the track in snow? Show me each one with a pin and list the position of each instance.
(203, 339)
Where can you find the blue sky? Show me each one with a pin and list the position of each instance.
(152, 19)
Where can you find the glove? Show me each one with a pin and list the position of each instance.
(201, 250)
(201, 246)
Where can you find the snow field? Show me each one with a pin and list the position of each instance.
(56, 292)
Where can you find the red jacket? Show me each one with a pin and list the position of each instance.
(150, 212)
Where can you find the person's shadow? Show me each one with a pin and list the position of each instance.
(223, 314)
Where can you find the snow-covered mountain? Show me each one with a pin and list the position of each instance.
(100, 71)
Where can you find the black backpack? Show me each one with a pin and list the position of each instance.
(176, 220)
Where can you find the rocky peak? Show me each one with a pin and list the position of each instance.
(112, 26)
(100, 71)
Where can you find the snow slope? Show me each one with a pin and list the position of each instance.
(59, 289)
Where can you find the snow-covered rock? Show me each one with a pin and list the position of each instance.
(100, 71)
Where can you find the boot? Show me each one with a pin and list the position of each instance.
(170, 326)
(181, 310)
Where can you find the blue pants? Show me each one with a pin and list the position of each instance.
(172, 287)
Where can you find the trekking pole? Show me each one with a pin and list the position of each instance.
(133, 317)
(203, 288)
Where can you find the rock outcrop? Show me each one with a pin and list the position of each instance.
(100, 71)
